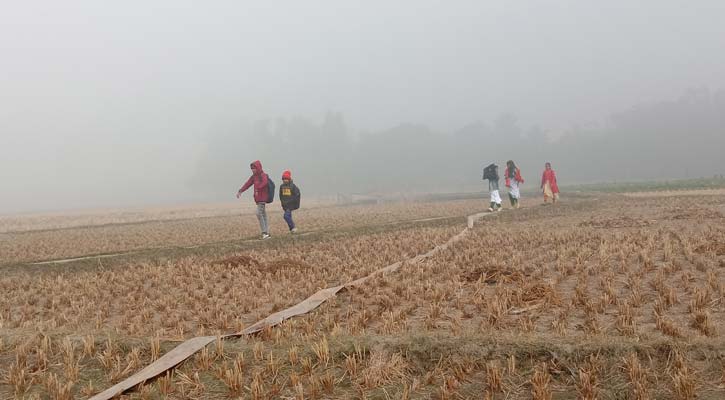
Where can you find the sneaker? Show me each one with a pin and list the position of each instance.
(293, 230)
(490, 209)
(499, 208)
(265, 236)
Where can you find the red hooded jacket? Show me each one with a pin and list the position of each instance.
(517, 177)
(259, 180)
(550, 176)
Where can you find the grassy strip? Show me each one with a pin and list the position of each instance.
(648, 186)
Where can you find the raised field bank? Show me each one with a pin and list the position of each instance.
(603, 295)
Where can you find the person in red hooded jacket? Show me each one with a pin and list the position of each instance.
(549, 185)
(513, 182)
(260, 181)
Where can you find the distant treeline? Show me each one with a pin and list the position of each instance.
(676, 139)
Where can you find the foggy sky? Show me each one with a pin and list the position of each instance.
(112, 103)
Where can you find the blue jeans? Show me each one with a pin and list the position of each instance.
(288, 219)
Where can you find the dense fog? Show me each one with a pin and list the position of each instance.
(683, 138)
(156, 102)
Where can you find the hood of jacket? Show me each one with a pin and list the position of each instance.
(257, 167)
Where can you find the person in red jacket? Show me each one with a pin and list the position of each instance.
(548, 184)
(260, 180)
(513, 181)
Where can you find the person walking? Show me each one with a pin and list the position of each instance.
(260, 181)
(490, 173)
(289, 196)
(549, 185)
(513, 181)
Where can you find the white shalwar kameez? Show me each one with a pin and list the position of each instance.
(514, 189)
(495, 197)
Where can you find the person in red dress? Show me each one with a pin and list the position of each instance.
(549, 185)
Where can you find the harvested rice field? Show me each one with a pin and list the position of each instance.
(601, 296)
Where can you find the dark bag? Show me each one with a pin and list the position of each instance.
(296, 204)
(270, 190)
(490, 172)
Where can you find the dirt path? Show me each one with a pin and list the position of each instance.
(222, 246)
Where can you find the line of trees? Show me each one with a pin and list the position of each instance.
(672, 139)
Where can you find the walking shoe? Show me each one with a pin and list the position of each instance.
(265, 236)
(293, 230)
(490, 209)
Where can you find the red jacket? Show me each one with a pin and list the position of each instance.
(259, 180)
(550, 176)
(517, 177)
